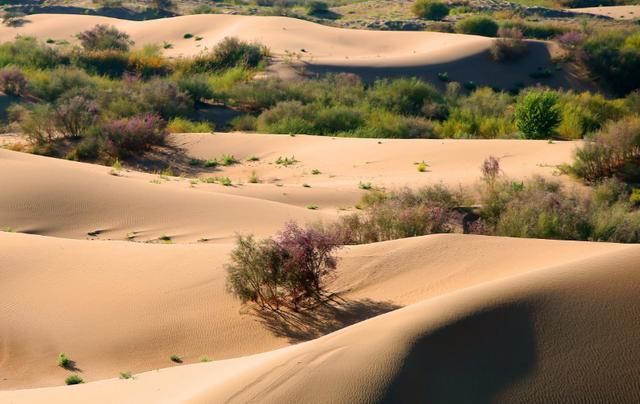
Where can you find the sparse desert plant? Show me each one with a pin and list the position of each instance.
(13, 81)
(175, 358)
(205, 359)
(422, 167)
(188, 35)
(73, 379)
(116, 167)
(510, 45)
(317, 7)
(538, 114)
(315, 171)
(228, 160)
(211, 163)
(253, 158)
(286, 161)
(104, 37)
(313, 207)
(64, 361)
(289, 270)
(478, 25)
(430, 9)
(126, 375)
(225, 181)
(182, 125)
(253, 178)
(365, 186)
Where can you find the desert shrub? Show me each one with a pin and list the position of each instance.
(13, 18)
(181, 125)
(133, 136)
(509, 47)
(229, 53)
(571, 39)
(50, 85)
(613, 151)
(478, 25)
(317, 7)
(400, 214)
(614, 57)
(108, 62)
(244, 123)
(74, 114)
(165, 98)
(12, 81)
(29, 52)
(336, 120)
(385, 124)
(35, 122)
(403, 96)
(289, 270)
(585, 113)
(104, 37)
(73, 379)
(148, 62)
(537, 30)
(289, 117)
(196, 86)
(538, 115)
(430, 9)
(63, 360)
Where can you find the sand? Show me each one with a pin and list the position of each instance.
(484, 319)
(615, 12)
(321, 49)
(68, 199)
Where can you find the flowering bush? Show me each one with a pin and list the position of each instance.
(131, 136)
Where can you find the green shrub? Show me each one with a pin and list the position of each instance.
(73, 379)
(538, 115)
(165, 98)
(229, 53)
(133, 136)
(403, 96)
(615, 58)
(13, 81)
(385, 124)
(181, 125)
(287, 117)
(244, 123)
(29, 52)
(64, 361)
(478, 25)
(509, 47)
(50, 85)
(110, 62)
(317, 7)
(104, 37)
(430, 9)
(196, 86)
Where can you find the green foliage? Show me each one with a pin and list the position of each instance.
(478, 25)
(104, 37)
(538, 115)
(182, 125)
(614, 56)
(64, 361)
(29, 52)
(229, 53)
(73, 379)
(430, 9)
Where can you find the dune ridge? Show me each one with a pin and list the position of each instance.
(321, 49)
(542, 330)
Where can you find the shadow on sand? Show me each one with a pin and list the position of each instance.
(323, 319)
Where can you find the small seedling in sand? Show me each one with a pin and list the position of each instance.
(422, 167)
(253, 158)
(156, 181)
(312, 207)
(286, 161)
(126, 375)
(228, 160)
(225, 181)
(211, 163)
(193, 183)
(208, 180)
(73, 379)
(165, 238)
(187, 35)
(253, 178)
(365, 186)
(306, 185)
(116, 168)
(167, 45)
(205, 359)
(64, 361)
(315, 171)
(175, 358)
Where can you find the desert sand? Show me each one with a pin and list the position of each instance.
(483, 317)
(318, 48)
(61, 198)
(616, 12)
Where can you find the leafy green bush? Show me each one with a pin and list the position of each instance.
(165, 98)
(317, 7)
(181, 125)
(478, 25)
(403, 96)
(29, 52)
(73, 379)
(229, 53)
(538, 114)
(614, 56)
(430, 9)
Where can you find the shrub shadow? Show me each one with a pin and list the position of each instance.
(323, 319)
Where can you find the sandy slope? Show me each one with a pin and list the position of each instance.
(616, 12)
(488, 319)
(67, 199)
(322, 49)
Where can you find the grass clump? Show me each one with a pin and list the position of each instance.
(228, 160)
(225, 181)
(182, 125)
(126, 375)
(286, 161)
(175, 358)
(73, 379)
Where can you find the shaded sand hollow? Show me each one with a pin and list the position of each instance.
(321, 49)
(484, 319)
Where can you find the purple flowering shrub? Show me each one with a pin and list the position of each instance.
(135, 135)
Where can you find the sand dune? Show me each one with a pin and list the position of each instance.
(74, 200)
(345, 162)
(616, 12)
(508, 320)
(321, 49)
(66, 199)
